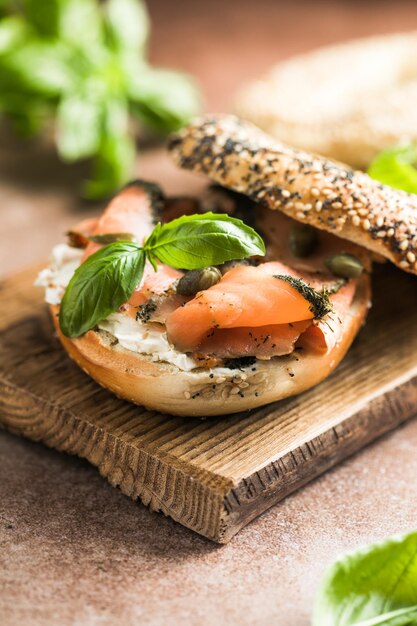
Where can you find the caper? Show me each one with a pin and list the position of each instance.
(112, 237)
(345, 265)
(302, 240)
(197, 280)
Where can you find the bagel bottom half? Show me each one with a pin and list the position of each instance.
(217, 391)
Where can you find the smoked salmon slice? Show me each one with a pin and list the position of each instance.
(264, 341)
(251, 312)
(131, 211)
(246, 298)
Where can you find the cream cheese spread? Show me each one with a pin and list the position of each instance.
(132, 335)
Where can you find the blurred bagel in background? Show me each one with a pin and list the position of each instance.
(348, 101)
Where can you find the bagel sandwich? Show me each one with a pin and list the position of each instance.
(224, 338)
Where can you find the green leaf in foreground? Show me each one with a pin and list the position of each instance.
(195, 241)
(396, 167)
(374, 586)
(100, 285)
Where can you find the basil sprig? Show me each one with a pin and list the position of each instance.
(108, 277)
(81, 67)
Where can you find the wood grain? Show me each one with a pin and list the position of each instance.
(214, 475)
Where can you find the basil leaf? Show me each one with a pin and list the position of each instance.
(163, 99)
(44, 16)
(373, 586)
(113, 165)
(397, 168)
(127, 24)
(100, 285)
(43, 67)
(196, 241)
(79, 127)
(12, 32)
(81, 23)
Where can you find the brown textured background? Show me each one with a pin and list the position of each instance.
(75, 551)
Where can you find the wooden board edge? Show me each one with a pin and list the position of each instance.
(137, 473)
(266, 487)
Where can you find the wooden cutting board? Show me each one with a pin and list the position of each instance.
(214, 475)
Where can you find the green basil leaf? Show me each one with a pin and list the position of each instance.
(78, 127)
(114, 163)
(43, 66)
(397, 168)
(12, 32)
(100, 285)
(373, 586)
(163, 99)
(80, 23)
(112, 167)
(44, 16)
(127, 25)
(196, 241)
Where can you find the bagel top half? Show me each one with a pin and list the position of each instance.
(307, 187)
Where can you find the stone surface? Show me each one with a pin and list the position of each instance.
(74, 550)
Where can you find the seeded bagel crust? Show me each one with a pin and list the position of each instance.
(306, 187)
(217, 391)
